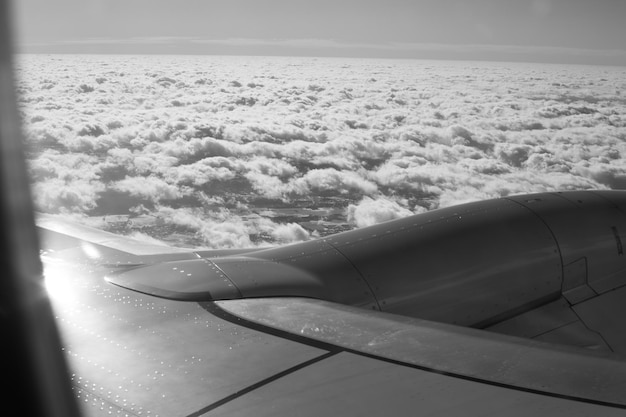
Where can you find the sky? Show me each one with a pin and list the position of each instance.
(559, 31)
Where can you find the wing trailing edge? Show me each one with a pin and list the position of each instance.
(472, 354)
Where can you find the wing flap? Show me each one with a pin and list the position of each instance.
(465, 353)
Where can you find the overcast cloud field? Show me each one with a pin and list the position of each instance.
(241, 151)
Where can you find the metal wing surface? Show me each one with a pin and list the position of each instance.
(134, 353)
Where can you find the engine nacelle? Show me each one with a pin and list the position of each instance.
(474, 264)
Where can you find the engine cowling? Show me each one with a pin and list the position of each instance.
(474, 264)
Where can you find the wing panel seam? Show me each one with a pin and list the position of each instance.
(367, 284)
(261, 383)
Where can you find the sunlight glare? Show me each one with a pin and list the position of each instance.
(90, 250)
(57, 283)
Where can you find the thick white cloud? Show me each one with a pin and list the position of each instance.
(59, 196)
(271, 167)
(202, 172)
(369, 211)
(222, 228)
(270, 187)
(205, 144)
(288, 233)
(330, 179)
(150, 187)
(217, 229)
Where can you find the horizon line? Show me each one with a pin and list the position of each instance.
(325, 48)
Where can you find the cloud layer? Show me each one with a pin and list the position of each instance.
(235, 151)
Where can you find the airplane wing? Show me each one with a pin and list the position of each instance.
(504, 307)
(265, 332)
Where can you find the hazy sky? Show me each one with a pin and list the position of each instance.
(581, 31)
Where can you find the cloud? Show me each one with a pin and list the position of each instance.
(58, 196)
(188, 150)
(612, 176)
(223, 228)
(369, 211)
(271, 187)
(203, 172)
(142, 237)
(230, 234)
(513, 154)
(216, 229)
(291, 232)
(271, 167)
(330, 179)
(241, 151)
(150, 188)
